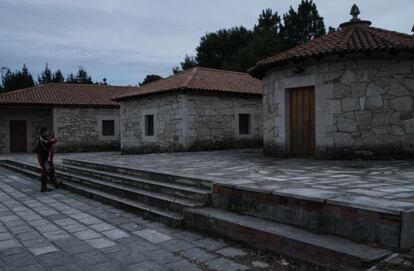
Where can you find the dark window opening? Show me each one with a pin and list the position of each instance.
(108, 127)
(244, 124)
(149, 125)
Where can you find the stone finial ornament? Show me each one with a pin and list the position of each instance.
(355, 12)
(355, 21)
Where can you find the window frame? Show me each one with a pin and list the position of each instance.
(103, 127)
(249, 124)
(143, 125)
(101, 136)
(149, 129)
(252, 122)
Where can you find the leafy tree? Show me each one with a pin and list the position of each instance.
(58, 77)
(217, 48)
(265, 41)
(17, 80)
(302, 25)
(263, 44)
(150, 78)
(238, 48)
(46, 76)
(188, 63)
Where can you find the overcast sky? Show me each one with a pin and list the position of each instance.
(123, 40)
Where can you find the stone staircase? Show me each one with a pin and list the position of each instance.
(154, 195)
(333, 234)
(337, 234)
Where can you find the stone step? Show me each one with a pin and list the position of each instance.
(331, 252)
(361, 219)
(163, 201)
(156, 175)
(149, 212)
(177, 190)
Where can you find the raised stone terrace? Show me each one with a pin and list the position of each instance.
(249, 169)
(345, 213)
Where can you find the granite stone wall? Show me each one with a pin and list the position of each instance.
(35, 119)
(364, 106)
(167, 117)
(185, 122)
(79, 129)
(212, 121)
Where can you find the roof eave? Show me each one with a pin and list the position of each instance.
(174, 91)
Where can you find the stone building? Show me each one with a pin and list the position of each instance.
(347, 94)
(198, 109)
(83, 116)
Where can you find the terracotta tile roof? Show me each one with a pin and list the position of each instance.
(202, 79)
(64, 94)
(353, 37)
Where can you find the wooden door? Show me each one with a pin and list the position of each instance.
(302, 121)
(18, 136)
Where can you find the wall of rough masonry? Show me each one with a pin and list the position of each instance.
(35, 119)
(212, 121)
(167, 116)
(79, 129)
(186, 122)
(364, 106)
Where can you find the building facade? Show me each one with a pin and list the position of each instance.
(349, 94)
(199, 109)
(83, 117)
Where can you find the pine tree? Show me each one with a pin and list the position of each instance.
(188, 63)
(268, 21)
(81, 77)
(46, 76)
(302, 25)
(17, 80)
(58, 77)
(238, 48)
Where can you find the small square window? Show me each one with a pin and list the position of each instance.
(108, 127)
(149, 125)
(244, 124)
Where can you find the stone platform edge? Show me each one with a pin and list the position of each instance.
(185, 176)
(335, 198)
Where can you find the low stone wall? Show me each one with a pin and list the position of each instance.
(79, 129)
(364, 106)
(186, 122)
(35, 117)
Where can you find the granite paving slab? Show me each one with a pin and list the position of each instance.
(119, 240)
(249, 169)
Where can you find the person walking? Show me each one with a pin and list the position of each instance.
(51, 171)
(42, 147)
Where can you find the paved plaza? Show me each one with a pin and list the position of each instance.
(62, 231)
(249, 169)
